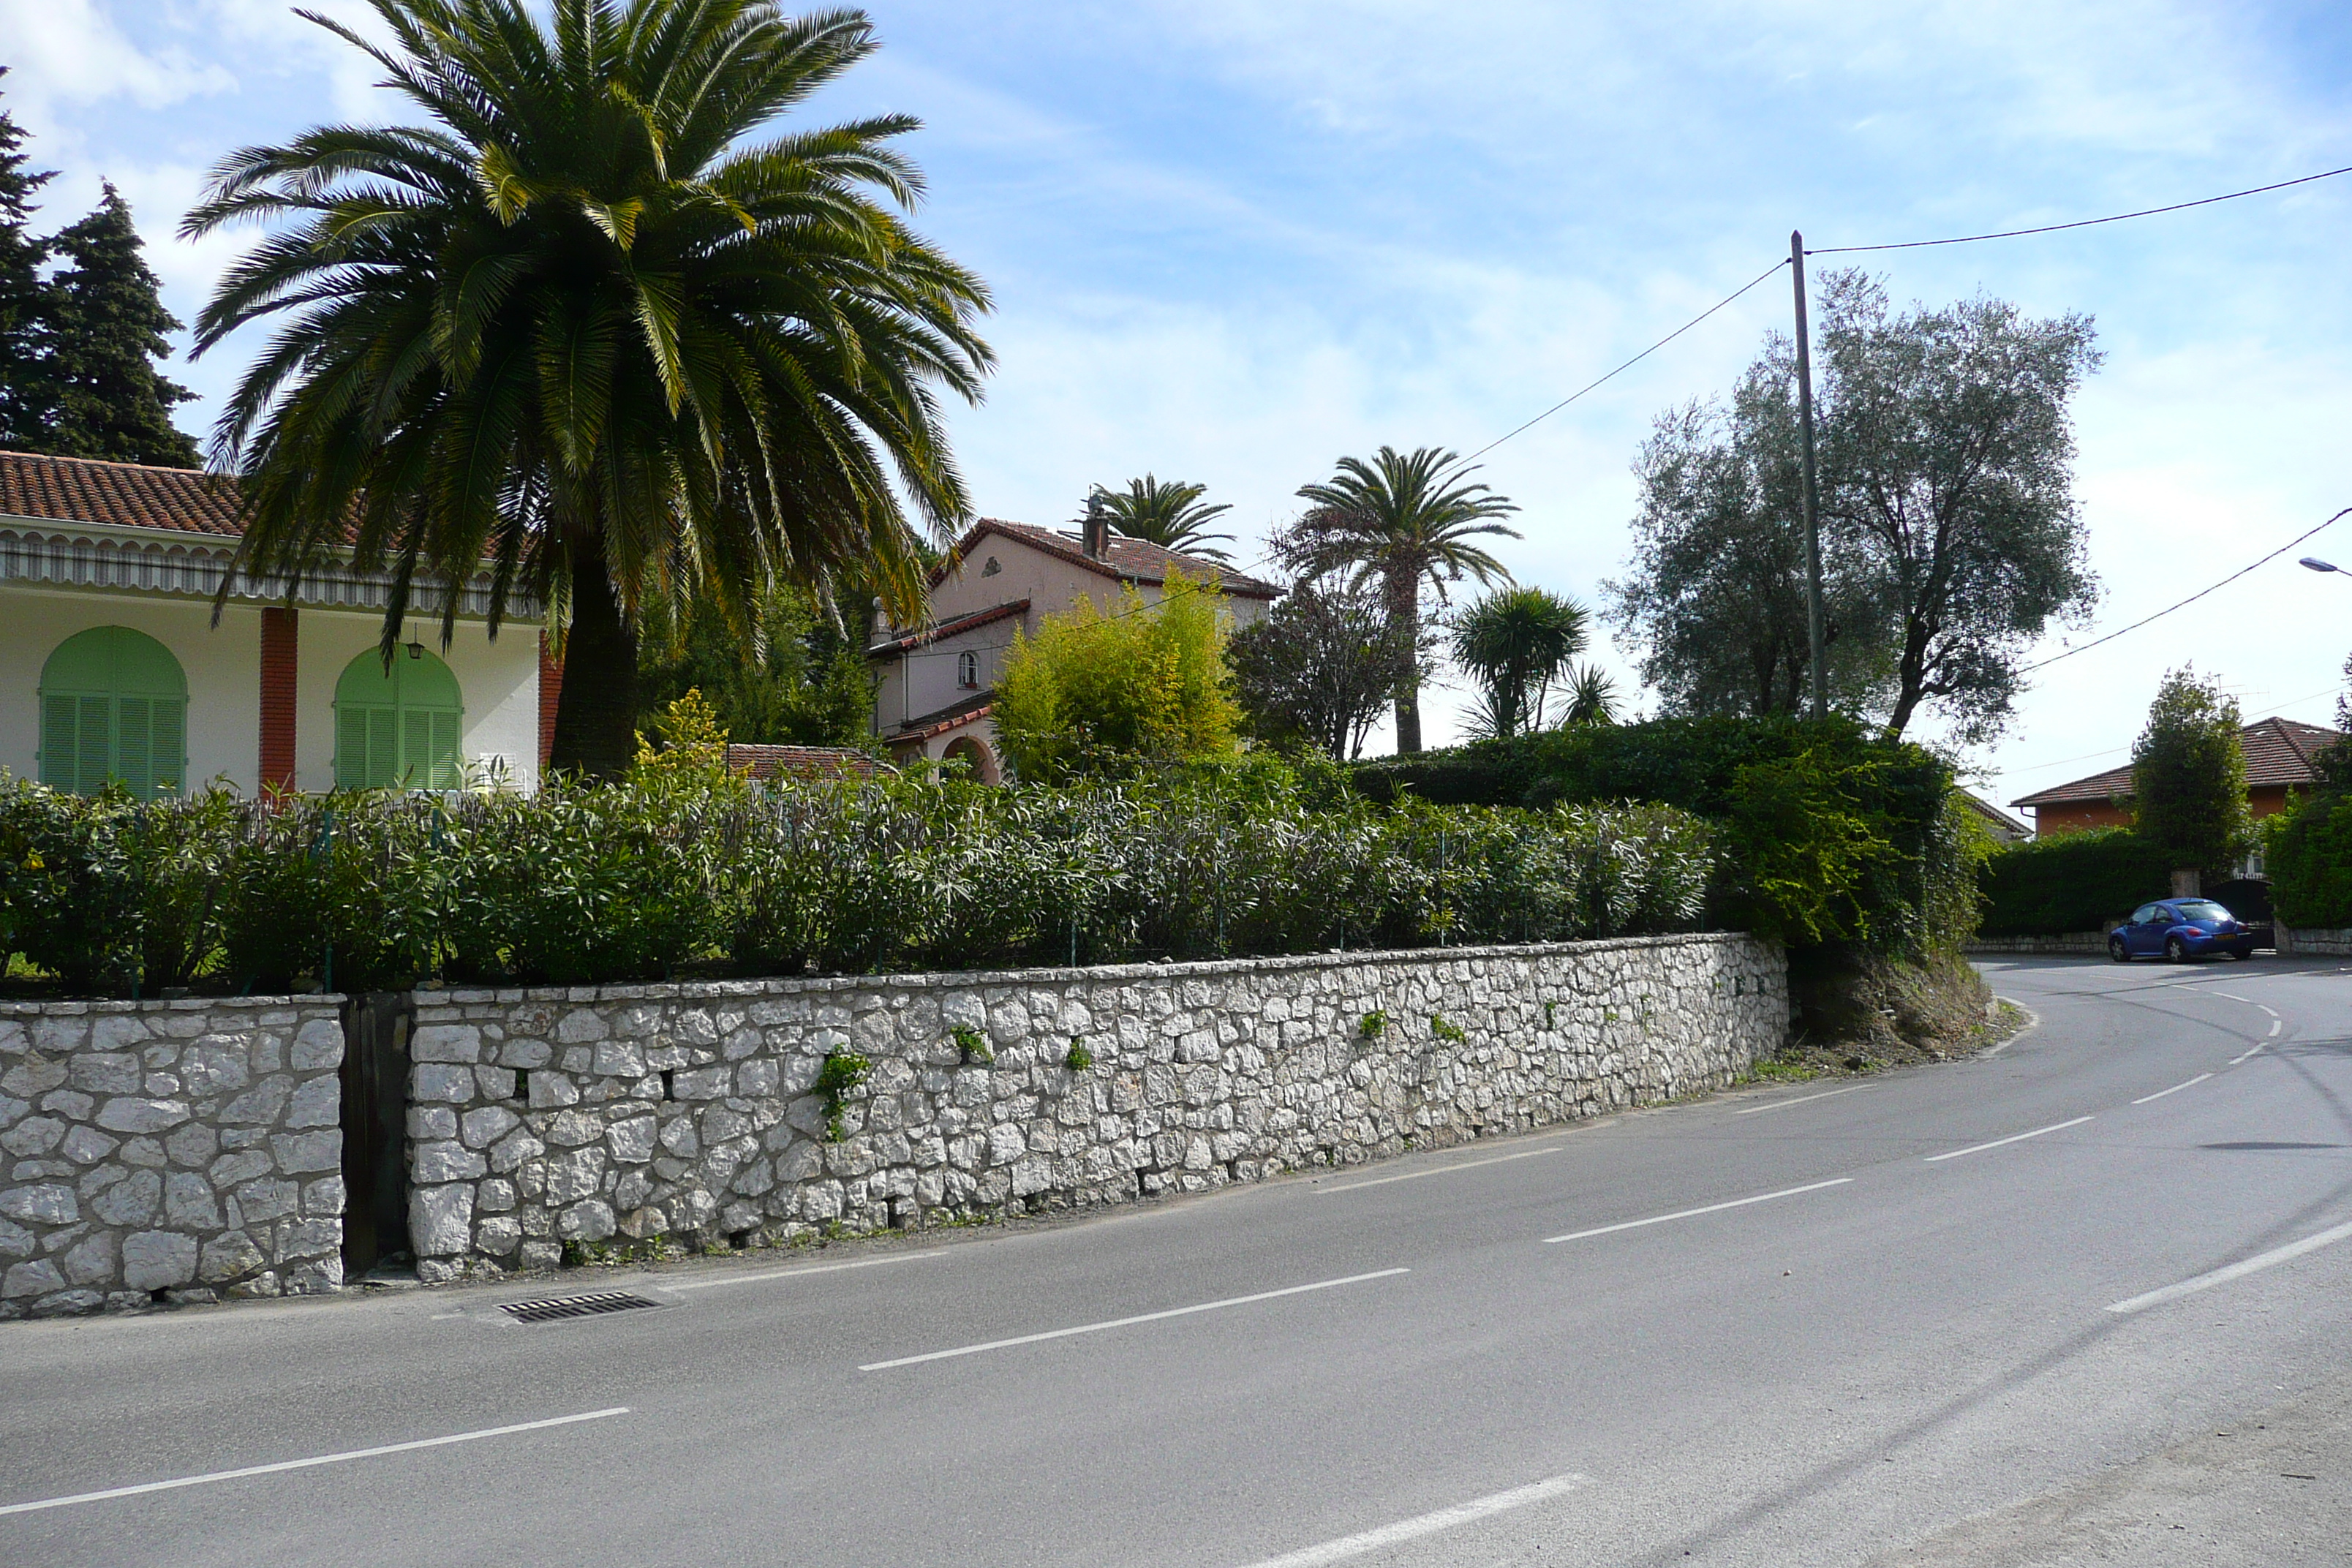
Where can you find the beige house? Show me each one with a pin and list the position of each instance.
(934, 685)
(111, 666)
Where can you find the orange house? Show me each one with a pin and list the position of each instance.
(2278, 759)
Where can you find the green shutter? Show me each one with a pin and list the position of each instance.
(57, 750)
(114, 705)
(383, 748)
(398, 729)
(350, 747)
(169, 733)
(133, 745)
(93, 747)
(448, 772)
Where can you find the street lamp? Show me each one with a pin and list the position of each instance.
(2316, 564)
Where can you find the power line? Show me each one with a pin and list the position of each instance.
(2192, 598)
(2081, 223)
(1629, 364)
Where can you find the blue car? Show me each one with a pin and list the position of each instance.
(2181, 929)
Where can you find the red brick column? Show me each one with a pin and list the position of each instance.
(278, 640)
(551, 692)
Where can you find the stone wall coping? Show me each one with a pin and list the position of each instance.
(690, 990)
(328, 1001)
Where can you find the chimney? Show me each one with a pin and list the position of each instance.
(1094, 534)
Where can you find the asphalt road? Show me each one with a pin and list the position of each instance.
(1876, 1341)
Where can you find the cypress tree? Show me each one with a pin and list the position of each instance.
(106, 331)
(24, 398)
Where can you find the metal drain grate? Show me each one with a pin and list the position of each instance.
(573, 1306)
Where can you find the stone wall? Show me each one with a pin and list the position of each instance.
(2085, 942)
(178, 1151)
(2322, 941)
(543, 1117)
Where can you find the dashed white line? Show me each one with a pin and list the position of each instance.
(2241, 1056)
(1800, 1099)
(2275, 1028)
(1688, 1214)
(283, 1464)
(1412, 1529)
(2176, 1088)
(2013, 1138)
(2270, 1260)
(1439, 1170)
(1124, 1322)
(792, 1273)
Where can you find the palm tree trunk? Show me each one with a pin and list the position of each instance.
(1403, 593)
(596, 715)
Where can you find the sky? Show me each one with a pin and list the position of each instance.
(1232, 242)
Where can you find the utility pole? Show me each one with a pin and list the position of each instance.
(1813, 495)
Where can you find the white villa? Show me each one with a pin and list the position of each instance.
(934, 685)
(110, 664)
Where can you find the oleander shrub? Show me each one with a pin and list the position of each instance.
(684, 866)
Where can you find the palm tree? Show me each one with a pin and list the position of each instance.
(1169, 515)
(1405, 520)
(1591, 698)
(580, 332)
(1514, 643)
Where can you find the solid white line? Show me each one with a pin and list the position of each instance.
(792, 1273)
(2241, 1056)
(1439, 1171)
(2271, 1258)
(1405, 1529)
(2275, 1028)
(1802, 1099)
(2176, 1088)
(1686, 1214)
(2013, 1138)
(1123, 1322)
(306, 1464)
(2271, 1011)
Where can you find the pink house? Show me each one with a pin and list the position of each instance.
(935, 684)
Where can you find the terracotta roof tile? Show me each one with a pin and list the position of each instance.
(121, 495)
(817, 762)
(978, 618)
(2278, 752)
(939, 720)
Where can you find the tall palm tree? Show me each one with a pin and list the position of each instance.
(1169, 515)
(1514, 643)
(1406, 521)
(582, 330)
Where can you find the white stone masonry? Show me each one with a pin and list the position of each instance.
(541, 1117)
(176, 1151)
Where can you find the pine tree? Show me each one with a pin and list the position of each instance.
(24, 397)
(106, 326)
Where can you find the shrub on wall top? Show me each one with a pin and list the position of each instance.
(2072, 882)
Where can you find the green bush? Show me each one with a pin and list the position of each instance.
(2309, 852)
(1826, 832)
(2073, 882)
(684, 866)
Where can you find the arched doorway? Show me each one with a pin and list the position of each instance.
(398, 728)
(975, 751)
(114, 705)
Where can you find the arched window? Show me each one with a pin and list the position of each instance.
(967, 670)
(114, 705)
(398, 729)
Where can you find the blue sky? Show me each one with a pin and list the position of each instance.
(1232, 241)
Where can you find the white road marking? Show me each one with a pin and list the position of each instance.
(1439, 1170)
(1802, 1099)
(2275, 1028)
(2270, 1260)
(1687, 1214)
(2271, 1011)
(792, 1273)
(306, 1464)
(2176, 1088)
(2241, 1056)
(2235, 997)
(1123, 1322)
(2013, 1138)
(1406, 1529)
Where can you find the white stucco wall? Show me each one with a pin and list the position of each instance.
(500, 681)
(223, 666)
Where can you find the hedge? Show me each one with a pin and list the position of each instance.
(2073, 882)
(2309, 853)
(701, 871)
(1829, 833)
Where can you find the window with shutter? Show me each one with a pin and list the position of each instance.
(398, 728)
(114, 706)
